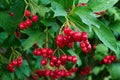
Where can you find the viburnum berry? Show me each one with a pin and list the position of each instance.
(54, 59)
(14, 62)
(43, 62)
(22, 26)
(28, 23)
(74, 59)
(66, 31)
(10, 67)
(27, 13)
(77, 36)
(109, 59)
(34, 18)
(85, 71)
(19, 61)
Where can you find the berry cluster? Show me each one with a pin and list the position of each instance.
(28, 22)
(70, 37)
(55, 74)
(14, 63)
(109, 59)
(17, 34)
(85, 46)
(54, 61)
(43, 52)
(85, 71)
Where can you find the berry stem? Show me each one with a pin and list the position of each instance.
(46, 37)
(61, 28)
(74, 26)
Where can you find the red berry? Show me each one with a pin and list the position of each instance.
(43, 62)
(66, 30)
(54, 59)
(77, 36)
(82, 44)
(69, 58)
(63, 57)
(14, 62)
(84, 36)
(27, 13)
(28, 23)
(105, 61)
(22, 26)
(74, 59)
(84, 50)
(34, 18)
(51, 64)
(50, 52)
(70, 45)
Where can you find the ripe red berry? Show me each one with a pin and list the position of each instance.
(84, 36)
(66, 30)
(27, 13)
(19, 61)
(50, 52)
(52, 64)
(34, 18)
(64, 57)
(54, 59)
(43, 62)
(28, 23)
(69, 58)
(22, 26)
(74, 59)
(105, 61)
(14, 62)
(77, 36)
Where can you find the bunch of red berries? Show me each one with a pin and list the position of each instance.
(28, 22)
(70, 37)
(54, 61)
(17, 62)
(85, 71)
(85, 46)
(43, 52)
(55, 74)
(109, 59)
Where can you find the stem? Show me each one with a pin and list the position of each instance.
(74, 26)
(46, 37)
(61, 28)
(67, 21)
(61, 51)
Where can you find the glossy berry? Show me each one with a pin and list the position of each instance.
(22, 26)
(34, 18)
(66, 31)
(28, 23)
(74, 59)
(14, 62)
(43, 62)
(27, 13)
(77, 36)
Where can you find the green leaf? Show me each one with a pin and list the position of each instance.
(109, 39)
(3, 36)
(79, 63)
(6, 76)
(97, 69)
(86, 16)
(99, 28)
(58, 9)
(101, 48)
(65, 3)
(83, 1)
(44, 1)
(99, 5)
(19, 74)
(115, 26)
(25, 68)
(38, 8)
(114, 70)
(33, 38)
